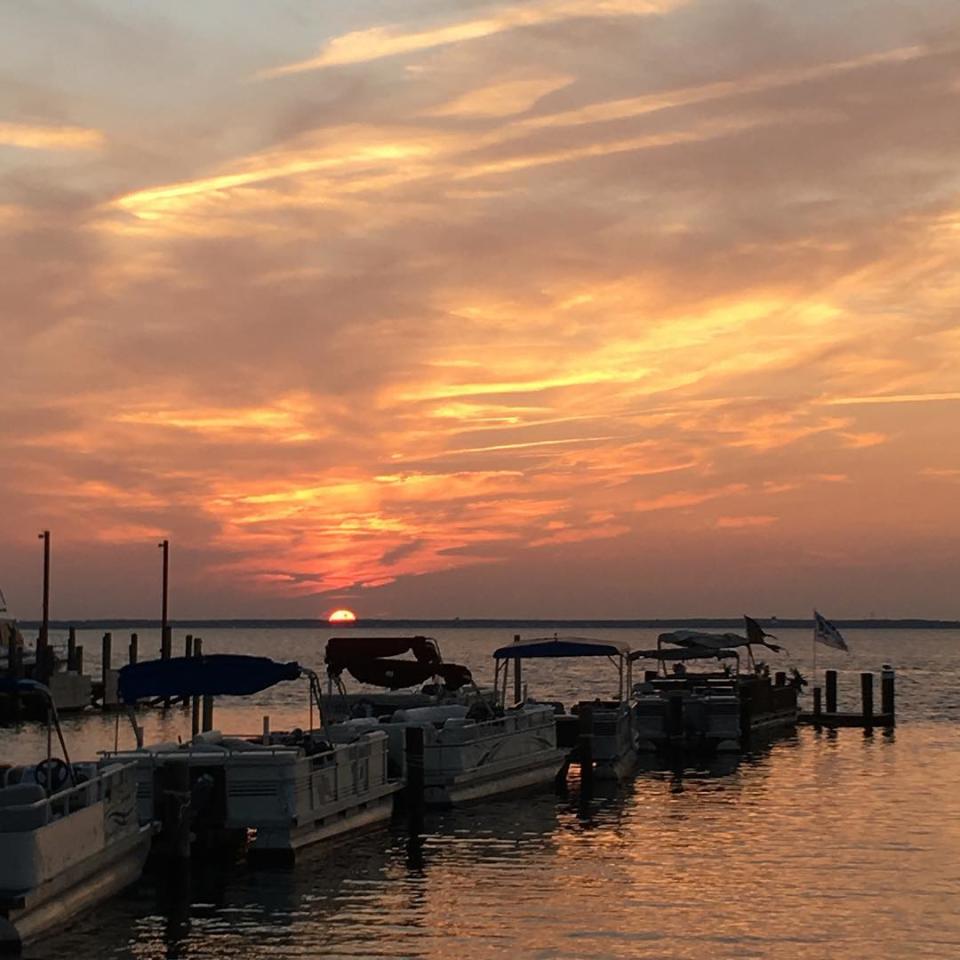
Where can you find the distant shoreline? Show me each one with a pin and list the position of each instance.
(735, 623)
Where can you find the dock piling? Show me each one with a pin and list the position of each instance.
(817, 704)
(72, 648)
(866, 696)
(166, 644)
(585, 749)
(888, 703)
(106, 650)
(13, 650)
(195, 717)
(133, 650)
(207, 712)
(174, 779)
(188, 653)
(413, 794)
(831, 680)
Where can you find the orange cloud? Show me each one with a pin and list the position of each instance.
(37, 137)
(737, 523)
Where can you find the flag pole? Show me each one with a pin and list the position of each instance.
(814, 641)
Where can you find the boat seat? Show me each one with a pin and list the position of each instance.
(21, 794)
(17, 810)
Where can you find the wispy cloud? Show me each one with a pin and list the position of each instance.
(42, 137)
(669, 99)
(891, 398)
(376, 43)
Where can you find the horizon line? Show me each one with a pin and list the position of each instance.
(148, 623)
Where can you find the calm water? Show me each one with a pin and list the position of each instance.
(822, 845)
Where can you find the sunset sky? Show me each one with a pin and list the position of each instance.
(601, 308)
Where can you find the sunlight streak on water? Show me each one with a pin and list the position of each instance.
(823, 844)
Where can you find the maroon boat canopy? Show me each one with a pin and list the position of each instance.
(366, 659)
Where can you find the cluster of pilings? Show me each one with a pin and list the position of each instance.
(826, 714)
(106, 694)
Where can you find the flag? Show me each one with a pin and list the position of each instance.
(756, 634)
(826, 633)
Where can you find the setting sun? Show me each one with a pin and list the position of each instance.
(342, 616)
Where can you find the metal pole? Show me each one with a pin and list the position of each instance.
(165, 547)
(45, 624)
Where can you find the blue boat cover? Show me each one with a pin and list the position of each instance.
(215, 675)
(562, 647)
(10, 685)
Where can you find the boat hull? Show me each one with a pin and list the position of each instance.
(488, 781)
(26, 917)
(682, 718)
(281, 798)
(357, 815)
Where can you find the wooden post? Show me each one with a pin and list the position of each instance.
(166, 643)
(195, 718)
(887, 696)
(174, 778)
(517, 676)
(72, 649)
(188, 653)
(779, 679)
(413, 746)
(134, 649)
(13, 654)
(585, 749)
(866, 696)
(207, 712)
(105, 659)
(830, 677)
(44, 637)
(78, 659)
(817, 704)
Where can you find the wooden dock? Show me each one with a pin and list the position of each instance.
(832, 718)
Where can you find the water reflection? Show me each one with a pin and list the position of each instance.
(824, 843)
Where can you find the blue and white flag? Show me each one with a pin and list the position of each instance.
(826, 633)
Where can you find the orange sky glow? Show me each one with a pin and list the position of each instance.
(481, 309)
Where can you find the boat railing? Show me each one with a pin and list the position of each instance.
(31, 814)
(229, 745)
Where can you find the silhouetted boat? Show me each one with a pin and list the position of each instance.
(718, 710)
(69, 837)
(612, 738)
(472, 747)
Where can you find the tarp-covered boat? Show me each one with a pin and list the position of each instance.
(284, 790)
